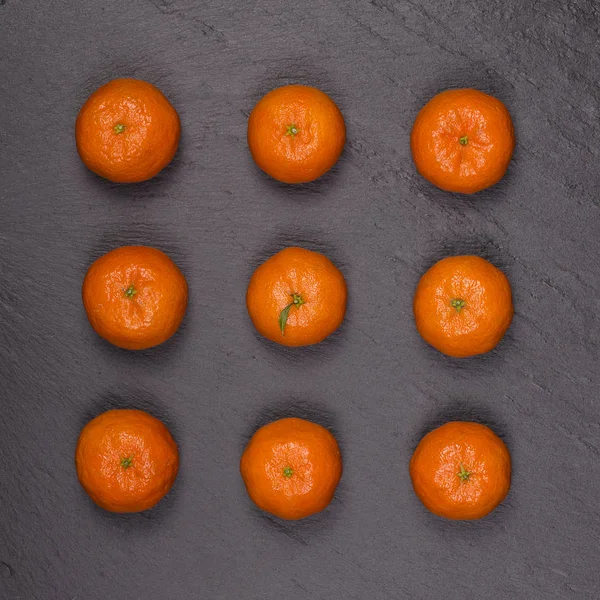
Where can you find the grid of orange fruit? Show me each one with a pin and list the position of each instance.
(135, 297)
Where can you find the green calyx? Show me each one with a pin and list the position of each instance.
(284, 314)
(292, 130)
(458, 304)
(130, 292)
(288, 472)
(119, 128)
(463, 141)
(127, 462)
(463, 474)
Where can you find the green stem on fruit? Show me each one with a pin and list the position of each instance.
(292, 130)
(284, 314)
(127, 462)
(464, 140)
(288, 472)
(119, 128)
(458, 304)
(463, 474)
(130, 292)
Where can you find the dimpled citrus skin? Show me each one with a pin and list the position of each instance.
(149, 137)
(311, 151)
(297, 271)
(126, 460)
(461, 447)
(484, 125)
(307, 453)
(478, 325)
(152, 311)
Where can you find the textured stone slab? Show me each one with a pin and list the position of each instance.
(375, 383)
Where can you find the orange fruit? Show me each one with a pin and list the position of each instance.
(291, 468)
(297, 297)
(461, 470)
(127, 131)
(296, 133)
(135, 297)
(126, 460)
(463, 306)
(463, 140)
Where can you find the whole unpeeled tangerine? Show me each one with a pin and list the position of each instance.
(463, 306)
(127, 131)
(291, 468)
(462, 140)
(126, 460)
(135, 297)
(297, 297)
(296, 133)
(461, 470)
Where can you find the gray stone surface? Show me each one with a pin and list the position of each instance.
(375, 382)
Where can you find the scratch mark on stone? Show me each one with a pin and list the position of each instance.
(7, 570)
(287, 530)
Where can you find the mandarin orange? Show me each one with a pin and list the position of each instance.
(463, 306)
(126, 460)
(291, 468)
(297, 297)
(462, 140)
(127, 131)
(135, 297)
(461, 470)
(296, 133)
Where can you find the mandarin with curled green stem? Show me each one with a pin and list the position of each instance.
(297, 297)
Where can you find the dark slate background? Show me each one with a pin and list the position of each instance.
(375, 383)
